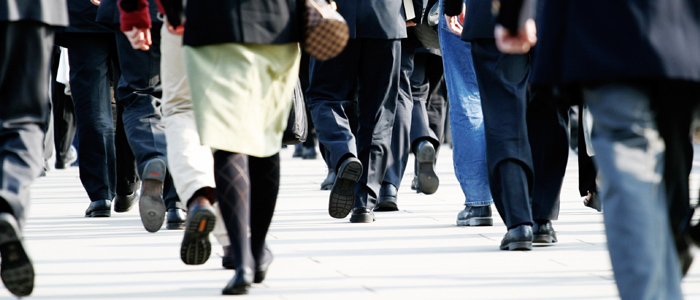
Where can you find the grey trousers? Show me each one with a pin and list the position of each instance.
(630, 156)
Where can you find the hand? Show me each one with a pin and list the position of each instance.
(454, 23)
(516, 44)
(95, 2)
(140, 39)
(179, 30)
(410, 23)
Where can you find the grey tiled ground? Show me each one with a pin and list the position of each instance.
(417, 253)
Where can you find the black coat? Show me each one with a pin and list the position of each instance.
(594, 40)
(237, 21)
(50, 12)
(374, 19)
(108, 13)
(478, 21)
(82, 15)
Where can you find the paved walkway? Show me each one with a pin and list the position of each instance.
(416, 253)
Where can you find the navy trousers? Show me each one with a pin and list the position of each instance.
(367, 70)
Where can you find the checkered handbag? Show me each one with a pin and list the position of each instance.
(326, 33)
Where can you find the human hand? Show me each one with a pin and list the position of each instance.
(454, 23)
(140, 39)
(410, 23)
(95, 2)
(516, 44)
(179, 30)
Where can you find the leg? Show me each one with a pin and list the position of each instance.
(264, 186)
(380, 62)
(24, 69)
(466, 124)
(231, 171)
(332, 87)
(89, 56)
(630, 158)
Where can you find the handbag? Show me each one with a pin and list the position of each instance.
(325, 31)
(297, 124)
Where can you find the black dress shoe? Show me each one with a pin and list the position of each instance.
(298, 150)
(196, 248)
(592, 201)
(475, 216)
(240, 283)
(428, 181)
(151, 205)
(263, 265)
(327, 183)
(543, 232)
(518, 238)
(99, 208)
(124, 203)
(387, 198)
(16, 270)
(309, 153)
(362, 215)
(342, 195)
(227, 260)
(175, 218)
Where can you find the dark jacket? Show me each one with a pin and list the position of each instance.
(374, 19)
(50, 12)
(595, 40)
(82, 15)
(479, 22)
(237, 21)
(108, 13)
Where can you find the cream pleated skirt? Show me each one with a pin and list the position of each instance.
(242, 94)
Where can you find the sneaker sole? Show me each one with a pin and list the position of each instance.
(151, 205)
(342, 195)
(196, 248)
(17, 271)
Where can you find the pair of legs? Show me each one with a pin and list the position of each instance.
(467, 127)
(25, 50)
(641, 136)
(366, 70)
(190, 163)
(408, 133)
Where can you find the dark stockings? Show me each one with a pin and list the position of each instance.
(246, 188)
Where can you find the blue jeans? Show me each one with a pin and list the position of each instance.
(466, 119)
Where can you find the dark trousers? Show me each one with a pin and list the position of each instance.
(502, 82)
(411, 120)
(547, 126)
(367, 70)
(25, 62)
(429, 89)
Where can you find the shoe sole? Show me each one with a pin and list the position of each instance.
(17, 271)
(428, 181)
(387, 206)
(342, 195)
(363, 218)
(99, 214)
(513, 246)
(544, 239)
(237, 291)
(151, 205)
(196, 248)
(476, 222)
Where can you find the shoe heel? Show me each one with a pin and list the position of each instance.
(520, 246)
(481, 222)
